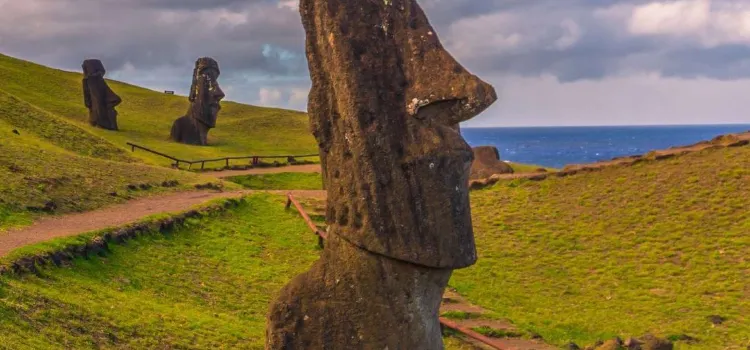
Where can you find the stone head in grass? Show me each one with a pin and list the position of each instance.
(205, 98)
(385, 103)
(98, 97)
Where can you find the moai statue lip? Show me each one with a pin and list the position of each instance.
(98, 97)
(385, 102)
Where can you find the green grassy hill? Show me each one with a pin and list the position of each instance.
(660, 247)
(54, 159)
(146, 116)
(203, 286)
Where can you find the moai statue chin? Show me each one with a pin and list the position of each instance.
(98, 97)
(205, 98)
(384, 107)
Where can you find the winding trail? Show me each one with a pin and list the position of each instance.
(120, 214)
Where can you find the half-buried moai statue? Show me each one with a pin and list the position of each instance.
(205, 98)
(487, 163)
(98, 97)
(385, 100)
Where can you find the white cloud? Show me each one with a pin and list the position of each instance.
(676, 18)
(710, 22)
(644, 98)
(269, 96)
(289, 4)
(572, 33)
(483, 35)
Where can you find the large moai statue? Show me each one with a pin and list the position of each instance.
(205, 98)
(385, 100)
(98, 97)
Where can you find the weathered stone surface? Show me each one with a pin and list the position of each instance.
(98, 97)
(487, 163)
(385, 104)
(205, 98)
(353, 299)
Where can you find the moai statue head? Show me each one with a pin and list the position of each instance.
(385, 105)
(98, 97)
(205, 93)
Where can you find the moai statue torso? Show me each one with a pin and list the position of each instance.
(384, 107)
(98, 97)
(205, 98)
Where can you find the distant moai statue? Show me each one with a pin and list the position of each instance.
(98, 97)
(384, 107)
(205, 97)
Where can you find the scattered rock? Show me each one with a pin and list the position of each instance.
(113, 194)
(716, 319)
(145, 187)
(132, 188)
(170, 183)
(98, 97)
(572, 346)
(534, 335)
(209, 186)
(650, 342)
(16, 132)
(612, 344)
(205, 97)
(632, 343)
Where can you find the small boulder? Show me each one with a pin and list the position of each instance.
(16, 132)
(612, 344)
(716, 319)
(650, 342)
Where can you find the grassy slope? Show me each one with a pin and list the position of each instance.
(204, 286)
(657, 247)
(59, 158)
(35, 173)
(146, 116)
(280, 181)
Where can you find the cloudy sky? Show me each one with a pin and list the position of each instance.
(553, 62)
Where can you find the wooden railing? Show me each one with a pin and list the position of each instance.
(443, 321)
(322, 235)
(202, 162)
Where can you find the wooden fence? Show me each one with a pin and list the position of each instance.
(443, 321)
(202, 162)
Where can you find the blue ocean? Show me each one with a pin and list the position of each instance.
(558, 146)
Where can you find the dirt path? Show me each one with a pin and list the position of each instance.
(120, 214)
(307, 168)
